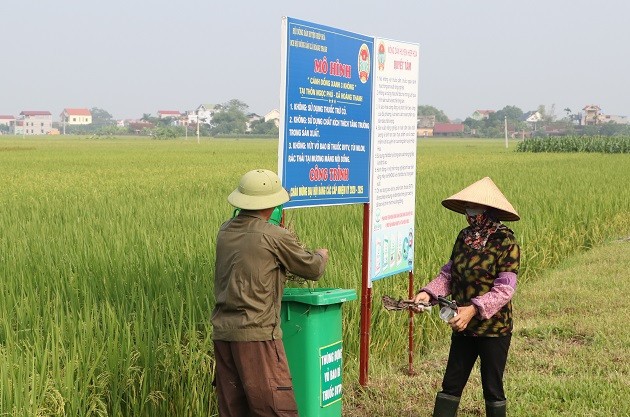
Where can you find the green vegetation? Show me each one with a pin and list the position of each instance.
(604, 144)
(569, 353)
(107, 255)
(494, 125)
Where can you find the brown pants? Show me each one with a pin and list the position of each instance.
(253, 379)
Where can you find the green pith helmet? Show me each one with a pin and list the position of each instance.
(258, 189)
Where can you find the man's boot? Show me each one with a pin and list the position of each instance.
(445, 405)
(495, 408)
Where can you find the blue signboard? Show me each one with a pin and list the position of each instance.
(324, 152)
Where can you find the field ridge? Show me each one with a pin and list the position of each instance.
(569, 354)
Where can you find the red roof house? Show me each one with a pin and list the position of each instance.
(32, 113)
(448, 129)
(168, 113)
(77, 112)
(75, 117)
(36, 122)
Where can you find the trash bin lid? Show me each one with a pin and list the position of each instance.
(319, 296)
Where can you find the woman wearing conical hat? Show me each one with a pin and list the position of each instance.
(481, 277)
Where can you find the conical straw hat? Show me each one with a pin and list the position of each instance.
(486, 193)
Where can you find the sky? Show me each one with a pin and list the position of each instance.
(132, 57)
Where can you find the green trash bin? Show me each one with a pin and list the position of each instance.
(311, 332)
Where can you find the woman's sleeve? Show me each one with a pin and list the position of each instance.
(441, 284)
(504, 285)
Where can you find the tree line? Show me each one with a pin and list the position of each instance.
(232, 119)
(494, 125)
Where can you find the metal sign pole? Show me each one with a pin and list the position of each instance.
(366, 301)
(411, 295)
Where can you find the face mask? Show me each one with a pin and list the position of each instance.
(474, 211)
(276, 215)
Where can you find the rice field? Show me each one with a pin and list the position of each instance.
(107, 256)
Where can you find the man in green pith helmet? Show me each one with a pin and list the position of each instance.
(253, 256)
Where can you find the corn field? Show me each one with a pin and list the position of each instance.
(603, 144)
(107, 257)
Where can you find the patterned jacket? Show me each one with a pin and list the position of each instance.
(485, 278)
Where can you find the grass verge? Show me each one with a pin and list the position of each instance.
(569, 354)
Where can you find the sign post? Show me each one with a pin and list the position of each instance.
(349, 128)
(326, 98)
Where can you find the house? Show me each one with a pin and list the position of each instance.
(35, 122)
(7, 120)
(205, 112)
(174, 116)
(481, 114)
(273, 115)
(591, 115)
(425, 126)
(164, 114)
(139, 126)
(532, 118)
(251, 118)
(76, 117)
(448, 129)
(7, 124)
(18, 127)
(620, 120)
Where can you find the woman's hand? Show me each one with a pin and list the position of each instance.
(421, 297)
(463, 317)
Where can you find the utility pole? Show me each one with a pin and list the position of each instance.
(197, 125)
(506, 138)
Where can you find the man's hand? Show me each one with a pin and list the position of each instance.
(323, 252)
(463, 317)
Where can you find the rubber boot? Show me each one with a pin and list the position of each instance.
(445, 405)
(495, 408)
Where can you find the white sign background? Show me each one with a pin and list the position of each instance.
(393, 173)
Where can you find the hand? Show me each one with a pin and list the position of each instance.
(323, 252)
(463, 317)
(421, 297)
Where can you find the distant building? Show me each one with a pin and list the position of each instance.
(8, 121)
(448, 129)
(76, 117)
(425, 125)
(273, 115)
(204, 113)
(607, 118)
(139, 126)
(18, 127)
(532, 117)
(174, 116)
(591, 115)
(35, 122)
(481, 114)
(251, 118)
(164, 114)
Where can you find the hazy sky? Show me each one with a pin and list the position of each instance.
(131, 57)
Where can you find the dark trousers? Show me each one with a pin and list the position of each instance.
(492, 352)
(253, 379)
